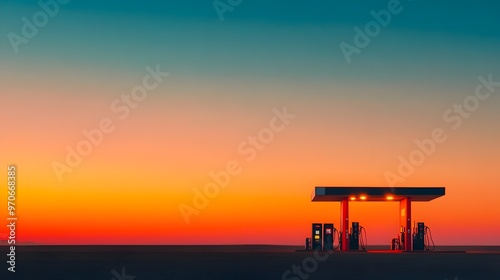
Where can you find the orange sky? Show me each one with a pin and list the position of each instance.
(128, 190)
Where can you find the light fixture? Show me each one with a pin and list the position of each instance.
(362, 197)
(390, 197)
(352, 198)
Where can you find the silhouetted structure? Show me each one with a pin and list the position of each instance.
(405, 196)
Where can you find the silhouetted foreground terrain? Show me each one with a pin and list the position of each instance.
(245, 262)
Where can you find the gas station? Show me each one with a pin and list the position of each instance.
(351, 238)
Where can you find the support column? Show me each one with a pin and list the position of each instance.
(405, 221)
(344, 224)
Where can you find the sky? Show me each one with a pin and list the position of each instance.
(260, 93)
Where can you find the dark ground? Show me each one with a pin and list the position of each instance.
(245, 262)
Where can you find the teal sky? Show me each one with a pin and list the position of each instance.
(440, 42)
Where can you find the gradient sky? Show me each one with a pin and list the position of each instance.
(353, 120)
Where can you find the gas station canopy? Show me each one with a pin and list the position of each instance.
(403, 195)
(323, 193)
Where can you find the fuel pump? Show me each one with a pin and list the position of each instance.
(354, 236)
(422, 238)
(317, 237)
(329, 233)
(357, 237)
(418, 237)
(398, 243)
